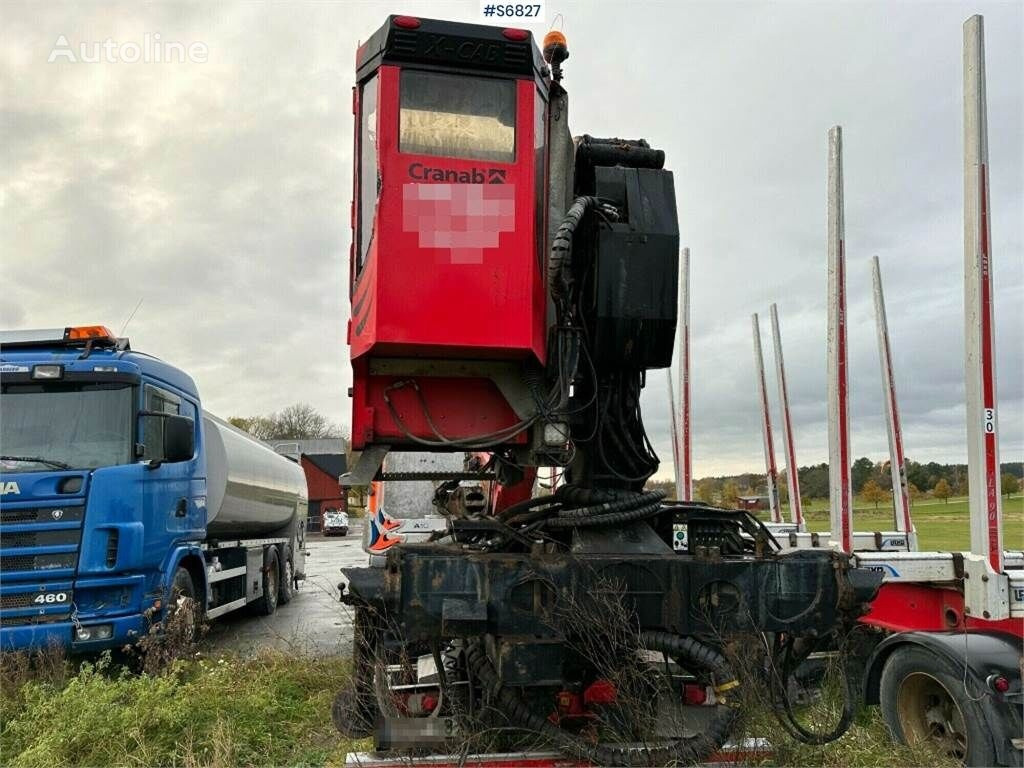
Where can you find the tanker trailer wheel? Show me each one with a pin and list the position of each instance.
(923, 702)
(267, 604)
(287, 589)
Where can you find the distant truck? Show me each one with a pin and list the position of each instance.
(119, 495)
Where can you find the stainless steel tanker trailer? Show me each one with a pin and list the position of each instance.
(256, 510)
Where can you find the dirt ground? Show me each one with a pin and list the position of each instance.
(314, 622)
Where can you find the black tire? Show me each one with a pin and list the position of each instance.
(344, 531)
(923, 701)
(354, 710)
(286, 591)
(267, 604)
(183, 586)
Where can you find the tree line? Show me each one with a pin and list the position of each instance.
(871, 481)
(300, 421)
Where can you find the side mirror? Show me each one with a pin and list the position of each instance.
(179, 439)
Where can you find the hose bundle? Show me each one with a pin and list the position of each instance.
(687, 651)
(574, 507)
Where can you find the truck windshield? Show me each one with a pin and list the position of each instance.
(64, 425)
(457, 116)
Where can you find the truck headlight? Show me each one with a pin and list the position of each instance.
(95, 632)
(47, 371)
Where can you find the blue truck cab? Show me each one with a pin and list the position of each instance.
(103, 497)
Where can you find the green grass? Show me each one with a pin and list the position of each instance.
(940, 525)
(270, 710)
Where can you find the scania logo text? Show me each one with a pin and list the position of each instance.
(9, 487)
(421, 172)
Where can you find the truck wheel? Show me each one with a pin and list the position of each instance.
(923, 702)
(354, 710)
(287, 589)
(267, 604)
(183, 587)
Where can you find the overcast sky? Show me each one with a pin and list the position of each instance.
(217, 192)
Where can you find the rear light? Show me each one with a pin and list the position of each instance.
(516, 34)
(694, 694)
(407, 22)
(999, 683)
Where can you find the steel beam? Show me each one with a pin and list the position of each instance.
(685, 436)
(770, 468)
(986, 507)
(897, 460)
(796, 511)
(676, 463)
(840, 484)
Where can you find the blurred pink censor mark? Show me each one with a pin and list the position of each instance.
(462, 219)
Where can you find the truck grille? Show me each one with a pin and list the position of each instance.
(29, 599)
(39, 538)
(41, 515)
(20, 600)
(44, 562)
(112, 542)
(48, 618)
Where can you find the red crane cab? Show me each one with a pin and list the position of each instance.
(447, 281)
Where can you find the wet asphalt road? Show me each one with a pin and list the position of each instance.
(314, 623)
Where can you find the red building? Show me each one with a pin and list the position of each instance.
(324, 462)
(753, 503)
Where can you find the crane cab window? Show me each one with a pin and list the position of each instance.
(457, 116)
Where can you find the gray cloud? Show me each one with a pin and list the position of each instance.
(218, 194)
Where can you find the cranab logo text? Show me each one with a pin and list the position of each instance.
(421, 172)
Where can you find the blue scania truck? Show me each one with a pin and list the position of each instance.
(119, 495)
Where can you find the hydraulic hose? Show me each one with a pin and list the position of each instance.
(561, 244)
(574, 507)
(689, 653)
(783, 707)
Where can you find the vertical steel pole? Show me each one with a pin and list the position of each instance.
(897, 461)
(980, 363)
(676, 466)
(771, 471)
(840, 486)
(685, 436)
(792, 470)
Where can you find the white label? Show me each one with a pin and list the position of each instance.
(520, 13)
(989, 423)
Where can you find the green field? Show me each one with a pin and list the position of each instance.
(940, 525)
